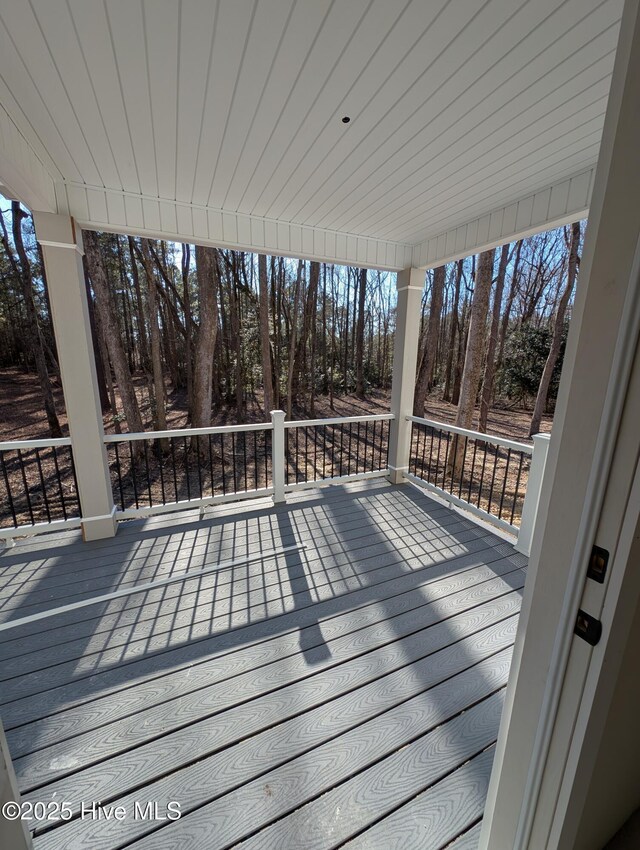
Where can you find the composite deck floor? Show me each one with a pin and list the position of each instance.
(345, 693)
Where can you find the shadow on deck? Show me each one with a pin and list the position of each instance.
(347, 693)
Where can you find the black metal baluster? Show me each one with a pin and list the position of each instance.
(213, 491)
(306, 454)
(428, 430)
(421, 431)
(473, 466)
(373, 444)
(388, 429)
(255, 460)
(341, 449)
(464, 461)
(493, 478)
(145, 449)
(44, 486)
(484, 463)
(349, 447)
(324, 451)
(119, 474)
(297, 460)
(186, 466)
(174, 467)
(504, 484)
(357, 447)
(515, 492)
(159, 455)
(133, 473)
(59, 480)
(366, 446)
(7, 484)
(446, 461)
(75, 478)
(315, 452)
(438, 457)
(244, 459)
(224, 472)
(198, 464)
(233, 460)
(26, 487)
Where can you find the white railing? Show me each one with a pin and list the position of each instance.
(493, 477)
(151, 472)
(38, 488)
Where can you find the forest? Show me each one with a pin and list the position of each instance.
(191, 335)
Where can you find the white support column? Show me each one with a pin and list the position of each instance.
(277, 454)
(410, 286)
(532, 496)
(14, 834)
(62, 250)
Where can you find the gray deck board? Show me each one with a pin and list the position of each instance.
(288, 702)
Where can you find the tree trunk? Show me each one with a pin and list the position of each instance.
(425, 371)
(558, 326)
(292, 341)
(265, 343)
(455, 329)
(108, 319)
(362, 294)
(486, 397)
(159, 413)
(23, 271)
(475, 350)
(205, 342)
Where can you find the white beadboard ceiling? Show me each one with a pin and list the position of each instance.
(221, 120)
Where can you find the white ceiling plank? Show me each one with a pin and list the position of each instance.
(40, 67)
(505, 129)
(492, 168)
(127, 28)
(90, 23)
(59, 31)
(391, 67)
(266, 39)
(464, 123)
(322, 30)
(23, 102)
(197, 27)
(233, 24)
(518, 222)
(161, 26)
(221, 120)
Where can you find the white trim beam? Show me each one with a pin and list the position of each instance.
(553, 206)
(97, 208)
(23, 177)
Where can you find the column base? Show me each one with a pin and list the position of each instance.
(396, 474)
(99, 527)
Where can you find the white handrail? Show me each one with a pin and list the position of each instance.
(338, 420)
(526, 448)
(21, 445)
(187, 432)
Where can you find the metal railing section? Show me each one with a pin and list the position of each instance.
(38, 487)
(480, 472)
(339, 449)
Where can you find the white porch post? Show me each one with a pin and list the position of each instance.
(410, 285)
(278, 454)
(13, 833)
(532, 496)
(62, 250)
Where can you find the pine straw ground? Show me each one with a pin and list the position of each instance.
(171, 472)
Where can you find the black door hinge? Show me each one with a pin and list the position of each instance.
(588, 628)
(598, 561)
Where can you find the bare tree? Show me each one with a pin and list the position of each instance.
(362, 294)
(475, 347)
(22, 269)
(558, 326)
(159, 409)
(265, 344)
(205, 342)
(429, 345)
(106, 312)
(486, 397)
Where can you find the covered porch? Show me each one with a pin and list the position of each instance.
(329, 672)
(336, 672)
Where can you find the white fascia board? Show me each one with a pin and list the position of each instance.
(23, 177)
(97, 208)
(552, 206)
